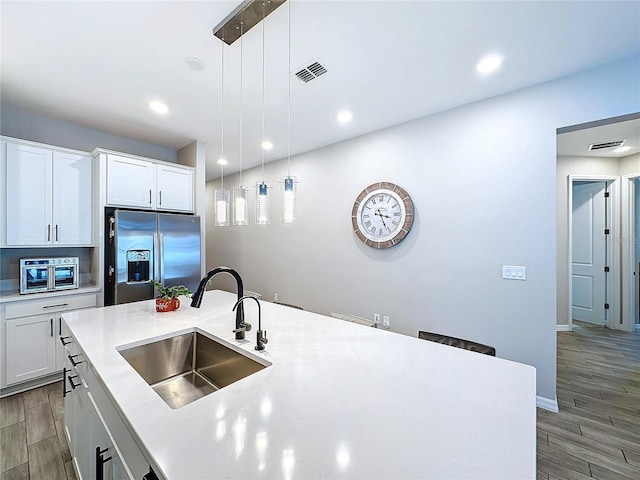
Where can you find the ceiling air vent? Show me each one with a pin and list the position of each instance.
(600, 146)
(311, 72)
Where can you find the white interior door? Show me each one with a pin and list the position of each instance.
(636, 233)
(588, 279)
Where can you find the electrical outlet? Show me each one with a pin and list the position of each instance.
(275, 297)
(376, 319)
(386, 321)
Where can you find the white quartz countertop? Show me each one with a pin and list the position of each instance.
(7, 296)
(339, 400)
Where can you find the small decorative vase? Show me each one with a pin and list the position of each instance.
(167, 305)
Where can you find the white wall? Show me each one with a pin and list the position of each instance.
(483, 180)
(19, 123)
(630, 165)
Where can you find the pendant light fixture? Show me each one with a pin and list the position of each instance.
(221, 195)
(262, 189)
(289, 182)
(240, 193)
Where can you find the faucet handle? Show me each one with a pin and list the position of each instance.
(244, 327)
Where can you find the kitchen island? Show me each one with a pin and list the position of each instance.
(338, 400)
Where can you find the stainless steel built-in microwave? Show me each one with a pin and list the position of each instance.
(48, 274)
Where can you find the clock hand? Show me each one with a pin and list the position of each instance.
(381, 218)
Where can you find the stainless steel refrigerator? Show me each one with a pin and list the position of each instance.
(141, 246)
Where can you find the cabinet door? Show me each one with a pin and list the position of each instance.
(72, 179)
(29, 213)
(175, 188)
(130, 182)
(61, 351)
(30, 348)
(106, 462)
(82, 431)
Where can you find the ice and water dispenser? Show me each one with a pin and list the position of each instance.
(138, 266)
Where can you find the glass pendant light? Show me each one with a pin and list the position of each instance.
(221, 199)
(240, 194)
(289, 199)
(289, 182)
(262, 189)
(240, 206)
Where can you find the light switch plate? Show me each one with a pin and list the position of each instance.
(514, 272)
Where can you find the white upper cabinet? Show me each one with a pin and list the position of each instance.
(48, 196)
(72, 195)
(175, 188)
(132, 182)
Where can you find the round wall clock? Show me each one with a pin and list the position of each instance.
(382, 215)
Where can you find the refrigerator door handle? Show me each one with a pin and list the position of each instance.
(161, 255)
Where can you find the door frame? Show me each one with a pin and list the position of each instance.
(628, 216)
(613, 251)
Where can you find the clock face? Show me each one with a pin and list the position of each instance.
(382, 215)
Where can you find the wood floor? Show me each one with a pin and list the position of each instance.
(596, 434)
(32, 440)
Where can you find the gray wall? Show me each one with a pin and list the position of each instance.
(18, 123)
(483, 180)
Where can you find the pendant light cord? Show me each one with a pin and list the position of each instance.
(222, 110)
(289, 96)
(263, 83)
(241, 99)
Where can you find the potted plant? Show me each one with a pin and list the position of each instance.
(167, 297)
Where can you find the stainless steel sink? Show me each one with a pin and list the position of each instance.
(186, 367)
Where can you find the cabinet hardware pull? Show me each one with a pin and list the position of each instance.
(48, 232)
(160, 197)
(59, 325)
(64, 342)
(100, 461)
(56, 232)
(51, 325)
(149, 196)
(73, 362)
(73, 385)
(64, 384)
(57, 305)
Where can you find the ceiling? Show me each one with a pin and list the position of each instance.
(98, 64)
(577, 143)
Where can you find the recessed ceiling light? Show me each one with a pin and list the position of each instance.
(621, 149)
(195, 64)
(344, 116)
(158, 107)
(222, 161)
(266, 145)
(489, 63)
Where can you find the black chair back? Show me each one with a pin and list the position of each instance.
(457, 342)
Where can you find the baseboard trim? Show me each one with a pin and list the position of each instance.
(30, 384)
(547, 404)
(563, 328)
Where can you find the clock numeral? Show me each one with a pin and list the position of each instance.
(365, 216)
(367, 224)
(372, 229)
(395, 223)
(395, 205)
(381, 197)
(396, 214)
(379, 232)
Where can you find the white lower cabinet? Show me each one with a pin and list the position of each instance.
(32, 348)
(100, 444)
